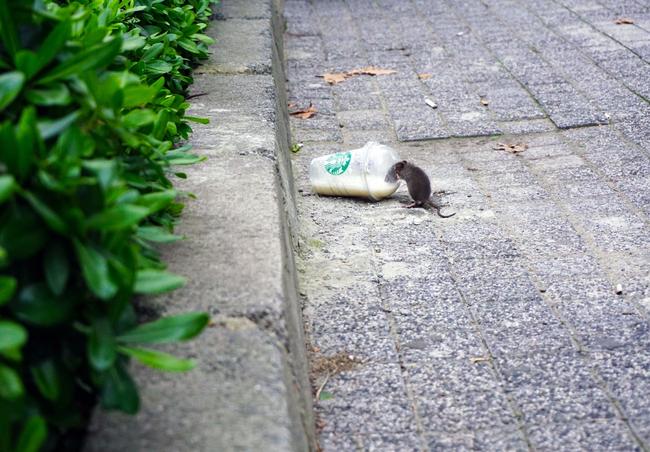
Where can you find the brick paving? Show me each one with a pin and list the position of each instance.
(500, 328)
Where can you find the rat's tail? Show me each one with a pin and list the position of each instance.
(437, 207)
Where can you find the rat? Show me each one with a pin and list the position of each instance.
(417, 183)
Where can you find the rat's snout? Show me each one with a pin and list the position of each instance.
(392, 175)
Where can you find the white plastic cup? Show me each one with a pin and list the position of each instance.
(360, 172)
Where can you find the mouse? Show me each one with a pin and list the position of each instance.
(418, 185)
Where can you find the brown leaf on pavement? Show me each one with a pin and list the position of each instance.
(515, 148)
(337, 77)
(334, 78)
(424, 76)
(372, 70)
(305, 113)
(624, 21)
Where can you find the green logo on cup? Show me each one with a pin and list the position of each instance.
(336, 164)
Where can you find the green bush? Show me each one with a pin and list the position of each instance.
(92, 114)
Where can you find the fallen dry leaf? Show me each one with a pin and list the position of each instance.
(305, 113)
(484, 101)
(337, 77)
(624, 21)
(334, 78)
(424, 76)
(291, 105)
(372, 70)
(514, 148)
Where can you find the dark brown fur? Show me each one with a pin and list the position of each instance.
(417, 183)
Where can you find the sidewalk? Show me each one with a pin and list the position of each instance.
(501, 328)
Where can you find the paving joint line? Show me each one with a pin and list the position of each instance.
(580, 347)
(398, 347)
(568, 8)
(570, 80)
(581, 52)
(515, 410)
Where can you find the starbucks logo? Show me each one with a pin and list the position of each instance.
(337, 164)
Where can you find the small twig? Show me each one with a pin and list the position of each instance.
(320, 388)
(192, 96)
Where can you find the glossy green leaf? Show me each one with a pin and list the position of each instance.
(118, 391)
(185, 160)
(51, 218)
(104, 170)
(160, 126)
(21, 235)
(7, 288)
(138, 95)
(48, 379)
(159, 360)
(152, 52)
(51, 128)
(95, 270)
(8, 29)
(189, 46)
(73, 143)
(11, 387)
(54, 94)
(133, 43)
(157, 200)
(12, 335)
(27, 63)
(28, 141)
(56, 267)
(138, 118)
(7, 187)
(118, 217)
(102, 350)
(159, 67)
(10, 85)
(53, 43)
(32, 436)
(197, 119)
(157, 234)
(156, 281)
(97, 56)
(180, 327)
(37, 305)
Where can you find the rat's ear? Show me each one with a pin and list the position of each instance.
(400, 165)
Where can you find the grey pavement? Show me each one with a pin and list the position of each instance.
(503, 327)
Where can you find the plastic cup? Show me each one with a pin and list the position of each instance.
(359, 173)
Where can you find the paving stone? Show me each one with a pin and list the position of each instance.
(611, 434)
(554, 386)
(363, 120)
(393, 442)
(626, 373)
(470, 401)
(368, 400)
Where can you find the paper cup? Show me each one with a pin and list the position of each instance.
(359, 173)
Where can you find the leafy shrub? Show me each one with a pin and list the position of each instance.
(92, 112)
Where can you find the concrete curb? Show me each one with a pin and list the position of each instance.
(250, 390)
